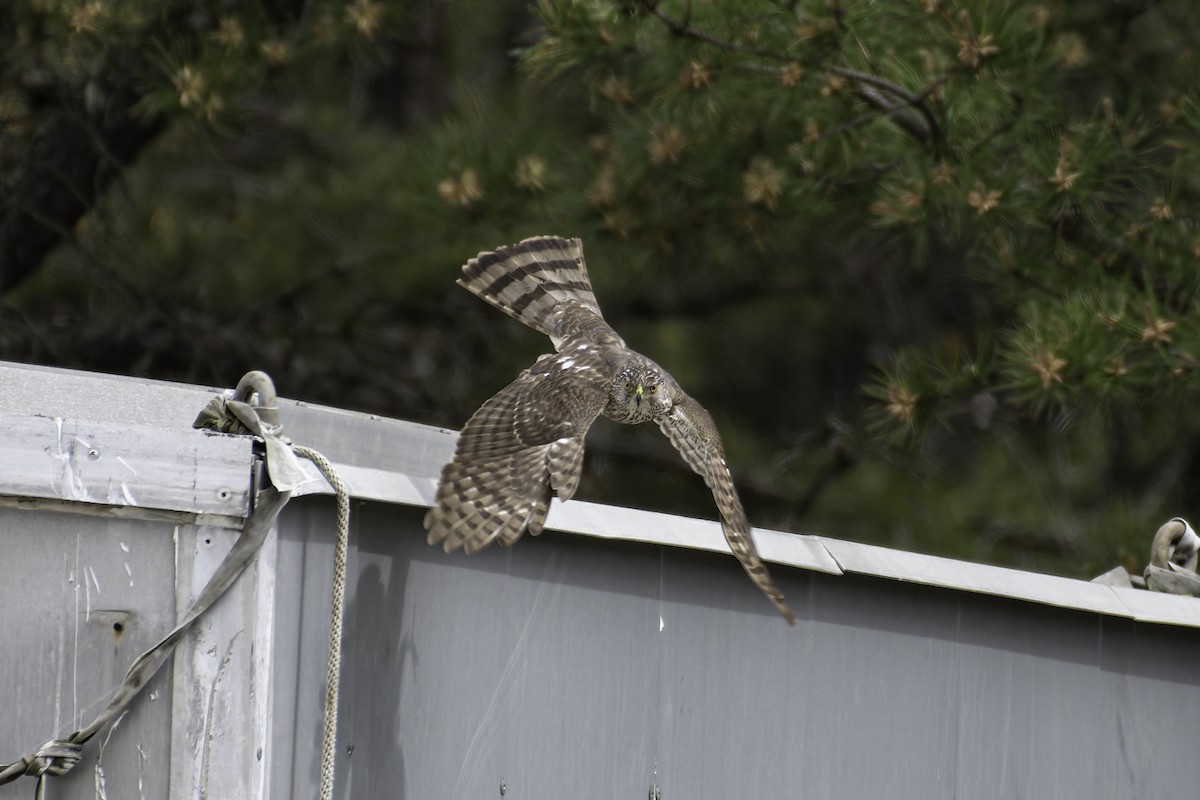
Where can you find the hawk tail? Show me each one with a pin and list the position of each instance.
(529, 279)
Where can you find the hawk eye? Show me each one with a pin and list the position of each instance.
(629, 386)
(653, 389)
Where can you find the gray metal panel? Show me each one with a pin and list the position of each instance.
(51, 392)
(65, 582)
(344, 437)
(220, 689)
(368, 440)
(80, 598)
(84, 461)
(574, 667)
(1067, 705)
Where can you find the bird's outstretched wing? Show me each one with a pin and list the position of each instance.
(520, 446)
(694, 434)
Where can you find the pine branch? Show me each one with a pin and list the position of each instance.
(929, 134)
(898, 113)
(1004, 127)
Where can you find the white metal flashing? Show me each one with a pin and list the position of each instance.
(811, 552)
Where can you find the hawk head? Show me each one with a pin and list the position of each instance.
(639, 392)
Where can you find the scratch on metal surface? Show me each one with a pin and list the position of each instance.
(101, 788)
(1008, 731)
(1131, 775)
(64, 461)
(175, 547)
(141, 772)
(71, 485)
(75, 655)
(662, 580)
(125, 549)
(125, 464)
(62, 646)
(209, 715)
(87, 586)
(503, 681)
(58, 435)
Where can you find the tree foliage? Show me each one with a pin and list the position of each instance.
(932, 264)
(1053, 147)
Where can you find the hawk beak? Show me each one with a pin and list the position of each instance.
(638, 393)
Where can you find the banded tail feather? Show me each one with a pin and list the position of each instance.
(529, 279)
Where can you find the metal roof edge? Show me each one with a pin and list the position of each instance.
(1035, 587)
(1157, 607)
(591, 519)
(806, 551)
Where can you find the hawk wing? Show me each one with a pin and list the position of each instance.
(694, 434)
(520, 446)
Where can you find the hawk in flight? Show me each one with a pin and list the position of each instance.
(527, 441)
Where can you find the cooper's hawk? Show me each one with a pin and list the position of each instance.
(527, 441)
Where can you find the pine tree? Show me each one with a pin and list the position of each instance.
(1052, 147)
(931, 264)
